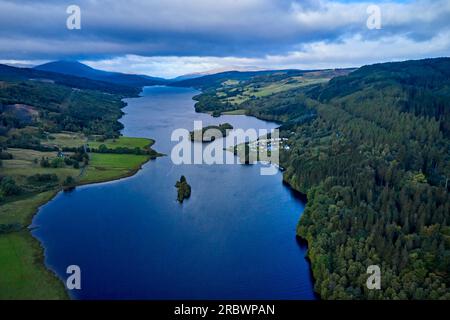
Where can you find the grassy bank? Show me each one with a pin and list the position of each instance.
(237, 112)
(107, 167)
(22, 271)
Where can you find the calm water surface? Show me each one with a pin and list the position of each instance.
(233, 239)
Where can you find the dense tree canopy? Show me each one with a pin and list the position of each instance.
(372, 152)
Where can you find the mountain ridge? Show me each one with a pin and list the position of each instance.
(79, 69)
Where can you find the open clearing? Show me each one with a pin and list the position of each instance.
(104, 167)
(65, 139)
(122, 142)
(251, 91)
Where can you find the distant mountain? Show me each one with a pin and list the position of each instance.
(78, 69)
(8, 73)
(215, 71)
(188, 76)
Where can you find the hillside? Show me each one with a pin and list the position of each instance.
(8, 73)
(47, 123)
(245, 91)
(372, 152)
(78, 69)
(214, 80)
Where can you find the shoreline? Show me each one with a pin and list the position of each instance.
(300, 194)
(35, 243)
(29, 252)
(41, 254)
(38, 250)
(36, 246)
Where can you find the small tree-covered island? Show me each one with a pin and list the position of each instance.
(369, 147)
(183, 189)
(211, 133)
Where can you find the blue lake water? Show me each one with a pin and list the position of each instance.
(234, 238)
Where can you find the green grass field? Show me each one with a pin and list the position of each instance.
(237, 112)
(106, 166)
(65, 139)
(22, 165)
(72, 139)
(22, 209)
(230, 83)
(251, 90)
(123, 142)
(29, 155)
(22, 272)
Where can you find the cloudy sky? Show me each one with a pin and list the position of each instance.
(173, 37)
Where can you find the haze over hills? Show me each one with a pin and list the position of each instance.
(198, 79)
(76, 68)
(79, 69)
(79, 75)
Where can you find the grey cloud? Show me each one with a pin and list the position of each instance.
(244, 28)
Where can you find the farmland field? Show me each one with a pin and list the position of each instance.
(105, 167)
(123, 142)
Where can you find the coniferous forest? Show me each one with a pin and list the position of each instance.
(226, 157)
(370, 148)
(372, 152)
